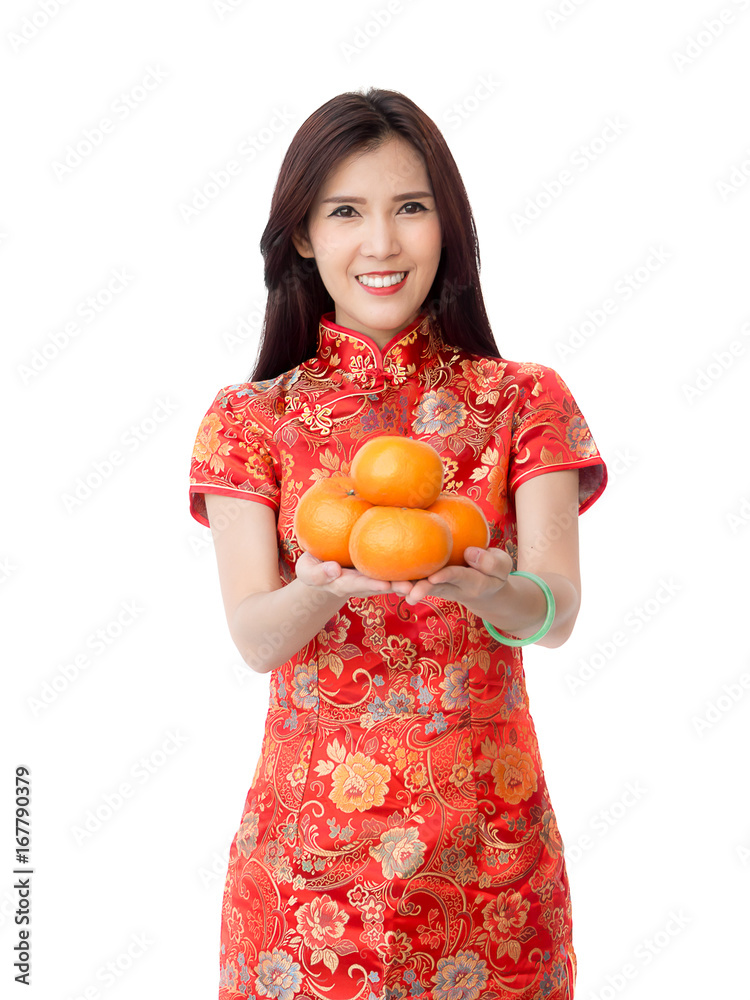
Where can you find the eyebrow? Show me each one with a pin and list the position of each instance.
(363, 201)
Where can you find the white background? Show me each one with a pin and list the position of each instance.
(651, 803)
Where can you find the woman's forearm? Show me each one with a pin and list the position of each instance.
(271, 626)
(519, 609)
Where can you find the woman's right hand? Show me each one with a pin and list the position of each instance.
(348, 582)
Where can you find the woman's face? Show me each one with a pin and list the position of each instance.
(375, 212)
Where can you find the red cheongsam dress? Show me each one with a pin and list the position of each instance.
(398, 840)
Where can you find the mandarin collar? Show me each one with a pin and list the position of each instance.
(350, 371)
(356, 355)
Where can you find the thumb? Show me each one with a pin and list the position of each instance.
(330, 570)
(492, 561)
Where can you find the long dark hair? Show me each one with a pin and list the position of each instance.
(349, 123)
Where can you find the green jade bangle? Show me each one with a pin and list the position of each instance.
(547, 621)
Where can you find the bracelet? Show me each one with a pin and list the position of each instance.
(547, 621)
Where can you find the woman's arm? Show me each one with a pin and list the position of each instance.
(547, 521)
(268, 622)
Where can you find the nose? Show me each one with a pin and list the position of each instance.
(379, 238)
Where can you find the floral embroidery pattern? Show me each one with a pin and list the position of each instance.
(398, 839)
(278, 975)
(504, 917)
(359, 783)
(399, 852)
(460, 978)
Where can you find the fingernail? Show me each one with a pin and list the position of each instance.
(332, 572)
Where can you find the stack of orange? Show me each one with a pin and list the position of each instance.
(389, 518)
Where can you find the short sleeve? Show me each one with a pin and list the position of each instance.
(232, 455)
(550, 434)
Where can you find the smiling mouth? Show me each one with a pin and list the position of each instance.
(381, 280)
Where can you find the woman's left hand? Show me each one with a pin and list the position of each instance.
(473, 584)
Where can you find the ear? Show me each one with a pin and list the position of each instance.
(302, 243)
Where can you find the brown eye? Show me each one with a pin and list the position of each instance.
(339, 209)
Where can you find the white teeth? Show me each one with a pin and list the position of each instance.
(381, 281)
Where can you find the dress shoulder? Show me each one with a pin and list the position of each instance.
(233, 453)
(550, 433)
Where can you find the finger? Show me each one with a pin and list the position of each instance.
(418, 592)
(492, 562)
(316, 573)
(308, 566)
(448, 574)
(309, 557)
(372, 584)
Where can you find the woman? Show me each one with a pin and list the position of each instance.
(398, 839)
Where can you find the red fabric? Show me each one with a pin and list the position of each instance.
(398, 839)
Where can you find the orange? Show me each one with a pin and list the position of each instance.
(399, 543)
(394, 471)
(466, 521)
(325, 516)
